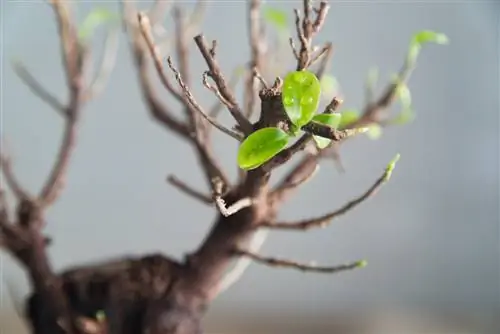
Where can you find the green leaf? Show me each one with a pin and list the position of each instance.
(277, 17)
(331, 120)
(427, 36)
(390, 167)
(261, 146)
(421, 38)
(95, 18)
(374, 131)
(329, 86)
(404, 95)
(404, 117)
(300, 96)
(348, 117)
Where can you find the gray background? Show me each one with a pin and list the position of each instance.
(431, 236)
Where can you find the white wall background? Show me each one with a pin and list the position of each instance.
(431, 236)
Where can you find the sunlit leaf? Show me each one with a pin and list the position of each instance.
(421, 38)
(261, 146)
(390, 167)
(276, 17)
(348, 117)
(300, 96)
(374, 131)
(94, 19)
(332, 120)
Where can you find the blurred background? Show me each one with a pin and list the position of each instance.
(431, 236)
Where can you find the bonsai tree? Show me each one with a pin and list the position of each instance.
(281, 116)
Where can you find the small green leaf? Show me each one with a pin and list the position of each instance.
(374, 131)
(404, 95)
(421, 38)
(261, 146)
(329, 86)
(404, 117)
(95, 18)
(348, 117)
(390, 167)
(427, 36)
(300, 96)
(332, 120)
(275, 16)
(362, 264)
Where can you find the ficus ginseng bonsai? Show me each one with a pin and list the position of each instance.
(156, 294)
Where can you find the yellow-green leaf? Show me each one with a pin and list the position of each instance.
(95, 18)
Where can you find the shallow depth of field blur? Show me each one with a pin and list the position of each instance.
(430, 236)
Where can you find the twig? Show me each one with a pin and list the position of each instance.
(243, 123)
(213, 89)
(54, 183)
(325, 220)
(324, 52)
(183, 187)
(255, 63)
(145, 28)
(37, 88)
(218, 106)
(190, 98)
(11, 180)
(325, 60)
(294, 48)
(283, 263)
(217, 186)
(157, 109)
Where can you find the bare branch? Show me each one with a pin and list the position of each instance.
(294, 48)
(283, 263)
(11, 180)
(215, 72)
(183, 187)
(325, 220)
(157, 109)
(323, 53)
(107, 63)
(145, 28)
(191, 100)
(321, 16)
(37, 88)
(54, 183)
(233, 81)
(225, 210)
(254, 31)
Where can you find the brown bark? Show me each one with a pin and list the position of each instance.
(154, 294)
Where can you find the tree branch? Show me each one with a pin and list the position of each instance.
(195, 106)
(255, 40)
(325, 220)
(145, 28)
(283, 263)
(37, 88)
(215, 73)
(183, 187)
